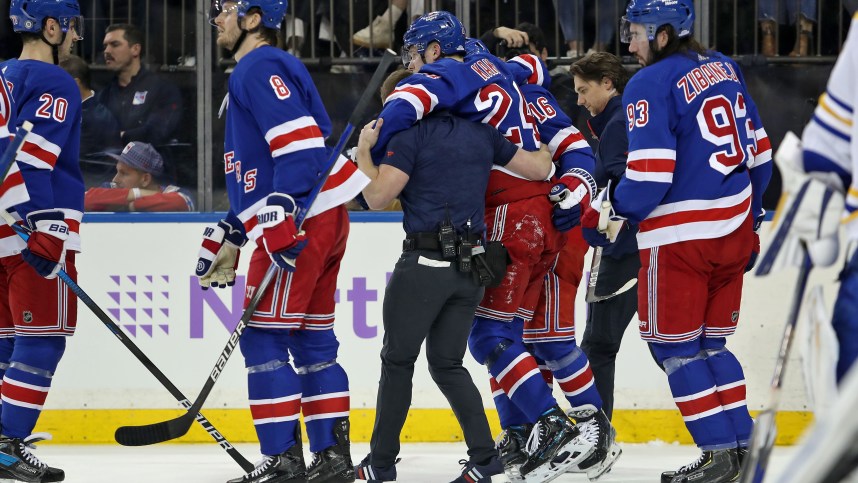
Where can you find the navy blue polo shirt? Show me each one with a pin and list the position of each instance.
(448, 160)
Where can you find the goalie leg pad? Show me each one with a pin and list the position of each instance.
(845, 318)
(273, 388)
(27, 381)
(694, 392)
(571, 368)
(324, 384)
(513, 368)
(730, 381)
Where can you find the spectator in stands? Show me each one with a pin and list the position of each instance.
(571, 14)
(379, 34)
(135, 186)
(524, 37)
(801, 13)
(147, 106)
(99, 129)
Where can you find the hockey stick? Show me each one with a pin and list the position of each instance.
(177, 427)
(763, 436)
(611, 229)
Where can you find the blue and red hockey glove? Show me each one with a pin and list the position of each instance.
(45, 250)
(280, 236)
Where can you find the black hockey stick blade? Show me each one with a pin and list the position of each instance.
(175, 428)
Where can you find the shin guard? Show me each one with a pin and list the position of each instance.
(27, 381)
(325, 400)
(730, 382)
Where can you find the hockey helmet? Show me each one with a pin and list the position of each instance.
(273, 11)
(29, 15)
(475, 46)
(442, 27)
(655, 13)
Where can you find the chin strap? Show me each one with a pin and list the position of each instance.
(55, 48)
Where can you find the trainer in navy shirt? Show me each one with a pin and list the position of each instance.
(439, 169)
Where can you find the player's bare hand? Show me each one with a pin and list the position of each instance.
(369, 134)
(513, 38)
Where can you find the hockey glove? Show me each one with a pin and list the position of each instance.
(219, 254)
(280, 236)
(569, 196)
(755, 250)
(590, 228)
(45, 250)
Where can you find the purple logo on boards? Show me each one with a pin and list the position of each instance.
(141, 303)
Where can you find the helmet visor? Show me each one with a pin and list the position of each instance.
(73, 23)
(221, 7)
(625, 30)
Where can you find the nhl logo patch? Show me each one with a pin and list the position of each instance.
(139, 98)
(28, 317)
(734, 316)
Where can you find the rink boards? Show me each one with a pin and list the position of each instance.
(139, 269)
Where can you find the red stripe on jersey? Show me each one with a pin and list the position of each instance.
(517, 372)
(652, 165)
(693, 216)
(276, 410)
(699, 405)
(763, 145)
(13, 180)
(534, 68)
(12, 390)
(568, 141)
(547, 375)
(421, 96)
(337, 404)
(732, 395)
(39, 153)
(579, 381)
(341, 176)
(300, 134)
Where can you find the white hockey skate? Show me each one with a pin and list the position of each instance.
(595, 428)
(554, 445)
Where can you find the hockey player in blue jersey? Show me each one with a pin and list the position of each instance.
(39, 311)
(7, 117)
(698, 164)
(274, 155)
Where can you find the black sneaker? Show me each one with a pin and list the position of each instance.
(553, 446)
(374, 474)
(595, 428)
(718, 466)
(511, 450)
(474, 473)
(334, 464)
(18, 463)
(287, 467)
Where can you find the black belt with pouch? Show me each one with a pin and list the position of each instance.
(486, 262)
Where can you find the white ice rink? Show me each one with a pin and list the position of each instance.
(421, 462)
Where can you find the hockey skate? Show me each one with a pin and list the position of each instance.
(334, 464)
(711, 467)
(287, 467)
(511, 451)
(17, 463)
(474, 473)
(553, 446)
(595, 428)
(375, 474)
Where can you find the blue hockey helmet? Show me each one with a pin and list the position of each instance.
(442, 27)
(655, 13)
(29, 15)
(273, 11)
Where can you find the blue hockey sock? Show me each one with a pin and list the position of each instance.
(27, 381)
(730, 380)
(325, 400)
(6, 346)
(516, 372)
(509, 413)
(572, 371)
(273, 388)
